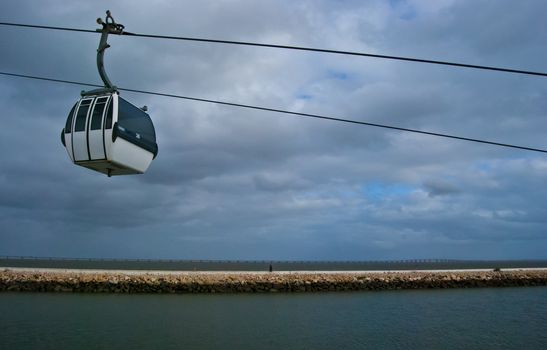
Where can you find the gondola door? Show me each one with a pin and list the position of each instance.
(95, 129)
(79, 132)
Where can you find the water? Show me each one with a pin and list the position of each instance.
(504, 318)
(245, 265)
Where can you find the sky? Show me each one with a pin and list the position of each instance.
(230, 183)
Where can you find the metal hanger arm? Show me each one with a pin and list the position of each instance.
(109, 27)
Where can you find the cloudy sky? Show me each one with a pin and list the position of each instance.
(230, 183)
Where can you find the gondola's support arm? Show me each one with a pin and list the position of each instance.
(109, 27)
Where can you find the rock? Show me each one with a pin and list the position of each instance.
(258, 283)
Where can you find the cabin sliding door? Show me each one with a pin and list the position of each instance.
(95, 129)
(79, 132)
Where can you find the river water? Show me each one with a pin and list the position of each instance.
(503, 318)
(246, 265)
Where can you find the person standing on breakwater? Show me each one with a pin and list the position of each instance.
(271, 268)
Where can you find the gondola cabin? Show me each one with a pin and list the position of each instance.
(107, 134)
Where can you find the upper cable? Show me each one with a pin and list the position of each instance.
(300, 48)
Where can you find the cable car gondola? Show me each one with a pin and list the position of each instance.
(106, 133)
(103, 131)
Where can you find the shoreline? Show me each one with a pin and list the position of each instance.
(120, 281)
(230, 272)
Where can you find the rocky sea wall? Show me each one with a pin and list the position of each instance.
(241, 282)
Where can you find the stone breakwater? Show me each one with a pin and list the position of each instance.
(196, 282)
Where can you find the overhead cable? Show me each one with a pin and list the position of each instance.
(300, 48)
(276, 110)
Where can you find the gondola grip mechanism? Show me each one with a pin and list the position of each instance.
(109, 26)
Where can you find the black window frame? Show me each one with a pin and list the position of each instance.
(68, 124)
(80, 117)
(108, 118)
(96, 116)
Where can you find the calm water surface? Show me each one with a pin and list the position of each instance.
(243, 265)
(505, 318)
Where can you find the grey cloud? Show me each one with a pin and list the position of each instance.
(231, 183)
(440, 188)
(279, 182)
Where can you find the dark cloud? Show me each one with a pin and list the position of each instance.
(440, 188)
(234, 183)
